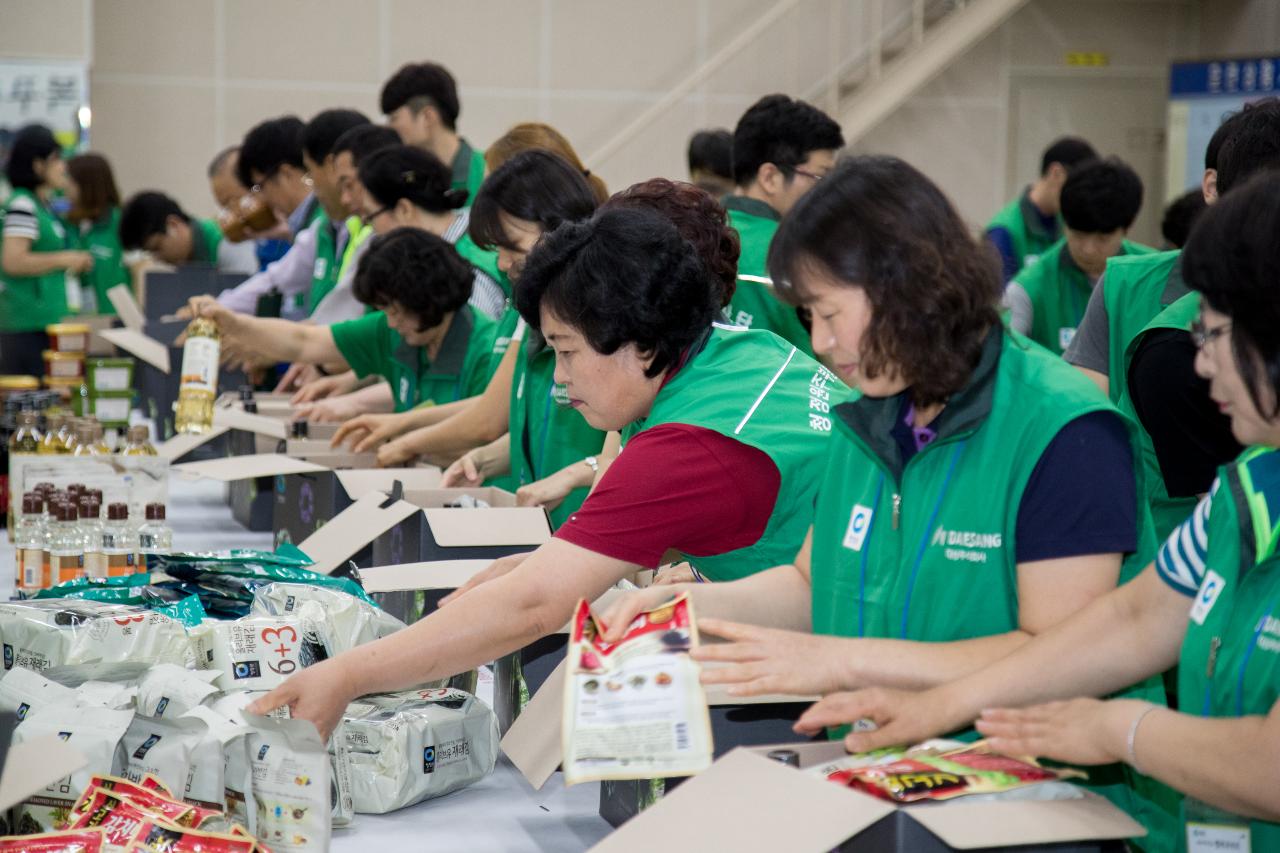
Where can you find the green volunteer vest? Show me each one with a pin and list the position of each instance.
(102, 240)
(1059, 291)
(461, 369)
(754, 387)
(328, 266)
(206, 237)
(1166, 512)
(754, 304)
(468, 170)
(485, 260)
(926, 551)
(1230, 661)
(1027, 233)
(546, 434)
(1135, 289)
(29, 303)
(358, 232)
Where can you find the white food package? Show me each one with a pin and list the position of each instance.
(22, 691)
(40, 634)
(98, 735)
(291, 790)
(219, 772)
(162, 748)
(255, 652)
(235, 751)
(169, 691)
(342, 621)
(415, 745)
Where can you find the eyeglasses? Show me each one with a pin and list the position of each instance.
(1202, 335)
(813, 176)
(368, 218)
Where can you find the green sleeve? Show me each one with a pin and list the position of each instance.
(365, 344)
(481, 361)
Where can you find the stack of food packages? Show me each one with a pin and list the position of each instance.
(174, 762)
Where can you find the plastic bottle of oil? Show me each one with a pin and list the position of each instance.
(27, 437)
(86, 444)
(198, 383)
(54, 441)
(138, 442)
(100, 439)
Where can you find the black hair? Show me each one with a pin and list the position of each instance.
(269, 145)
(878, 224)
(1251, 145)
(1215, 142)
(781, 131)
(534, 185)
(31, 143)
(363, 140)
(416, 270)
(146, 214)
(420, 84)
(219, 161)
(712, 151)
(1233, 259)
(625, 276)
(1100, 196)
(1067, 151)
(324, 130)
(1180, 216)
(402, 171)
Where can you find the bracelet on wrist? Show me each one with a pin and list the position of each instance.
(1130, 741)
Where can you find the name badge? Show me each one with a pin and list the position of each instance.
(859, 524)
(1065, 335)
(1212, 830)
(1210, 589)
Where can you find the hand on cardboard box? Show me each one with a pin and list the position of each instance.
(674, 573)
(496, 569)
(396, 452)
(369, 432)
(1078, 731)
(472, 469)
(883, 716)
(328, 411)
(298, 376)
(771, 660)
(549, 492)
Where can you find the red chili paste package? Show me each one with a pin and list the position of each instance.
(148, 799)
(162, 839)
(75, 841)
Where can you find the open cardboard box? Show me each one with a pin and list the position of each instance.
(800, 812)
(444, 532)
(306, 501)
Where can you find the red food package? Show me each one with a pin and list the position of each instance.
(162, 839)
(149, 799)
(904, 781)
(120, 820)
(75, 841)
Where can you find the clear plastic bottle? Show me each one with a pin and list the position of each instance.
(85, 444)
(95, 562)
(53, 442)
(138, 442)
(66, 545)
(100, 439)
(119, 542)
(154, 536)
(198, 381)
(29, 545)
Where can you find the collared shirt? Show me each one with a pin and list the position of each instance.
(291, 275)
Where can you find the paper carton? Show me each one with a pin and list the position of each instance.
(444, 531)
(306, 501)
(796, 811)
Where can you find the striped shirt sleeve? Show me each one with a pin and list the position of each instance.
(20, 219)
(1180, 561)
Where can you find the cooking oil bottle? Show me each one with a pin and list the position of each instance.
(198, 384)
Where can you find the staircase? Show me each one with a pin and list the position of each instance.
(905, 44)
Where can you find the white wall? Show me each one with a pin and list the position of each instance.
(173, 82)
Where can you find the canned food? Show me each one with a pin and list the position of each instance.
(68, 337)
(64, 365)
(109, 374)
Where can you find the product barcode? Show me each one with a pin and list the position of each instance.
(682, 735)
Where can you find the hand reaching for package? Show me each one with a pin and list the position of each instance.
(769, 660)
(319, 693)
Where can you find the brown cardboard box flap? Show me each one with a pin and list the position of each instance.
(121, 299)
(745, 801)
(360, 481)
(136, 343)
(352, 529)
(436, 574)
(533, 743)
(338, 460)
(33, 764)
(431, 498)
(459, 528)
(238, 418)
(181, 444)
(244, 467)
(969, 826)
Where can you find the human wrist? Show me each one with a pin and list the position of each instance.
(1126, 721)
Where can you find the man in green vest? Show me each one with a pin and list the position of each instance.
(1132, 341)
(332, 231)
(1027, 226)
(781, 149)
(152, 221)
(1046, 301)
(421, 104)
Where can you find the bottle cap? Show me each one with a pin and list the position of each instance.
(66, 511)
(31, 504)
(138, 434)
(299, 429)
(45, 487)
(89, 508)
(246, 392)
(27, 418)
(75, 489)
(155, 512)
(789, 757)
(118, 512)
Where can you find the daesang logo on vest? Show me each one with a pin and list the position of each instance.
(859, 525)
(966, 546)
(1269, 634)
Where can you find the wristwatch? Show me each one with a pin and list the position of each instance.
(593, 463)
